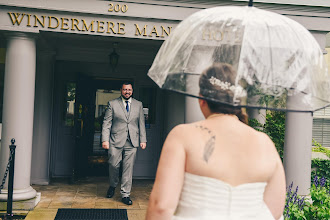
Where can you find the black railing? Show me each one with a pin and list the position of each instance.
(10, 168)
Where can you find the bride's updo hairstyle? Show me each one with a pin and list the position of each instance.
(214, 83)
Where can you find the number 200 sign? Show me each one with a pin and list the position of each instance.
(117, 8)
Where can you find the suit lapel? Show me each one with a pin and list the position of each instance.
(132, 109)
(122, 107)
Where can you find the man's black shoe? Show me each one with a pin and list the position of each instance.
(111, 192)
(127, 201)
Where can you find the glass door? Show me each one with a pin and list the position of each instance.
(102, 97)
(96, 95)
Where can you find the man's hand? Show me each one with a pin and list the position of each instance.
(105, 145)
(143, 145)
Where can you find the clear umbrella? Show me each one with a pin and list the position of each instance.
(275, 60)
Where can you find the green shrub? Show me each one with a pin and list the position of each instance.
(318, 148)
(321, 168)
(319, 209)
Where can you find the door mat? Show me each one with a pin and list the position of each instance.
(91, 214)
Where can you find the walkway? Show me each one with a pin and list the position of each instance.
(89, 193)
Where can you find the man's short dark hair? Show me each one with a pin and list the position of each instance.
(126, 83)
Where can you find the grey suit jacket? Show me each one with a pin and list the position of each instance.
(118, 123)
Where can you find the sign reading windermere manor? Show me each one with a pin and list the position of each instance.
(102, 25)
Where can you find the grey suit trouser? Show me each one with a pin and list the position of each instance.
(126, 154)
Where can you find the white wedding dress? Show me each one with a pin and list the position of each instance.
(206, 198)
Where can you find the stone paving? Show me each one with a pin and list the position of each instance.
(89, 193)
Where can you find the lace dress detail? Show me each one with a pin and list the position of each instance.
(206, 198)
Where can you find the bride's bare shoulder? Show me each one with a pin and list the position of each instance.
(183, 129)
(264, 138)
(266, 142)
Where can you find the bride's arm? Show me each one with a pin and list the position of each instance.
(275, 192)
(169, 178)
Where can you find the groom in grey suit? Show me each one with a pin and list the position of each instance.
(123, 131)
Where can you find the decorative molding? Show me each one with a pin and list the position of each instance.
(147, 12)
(20, 35)
(188, 6)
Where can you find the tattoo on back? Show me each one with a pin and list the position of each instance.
(209, 146)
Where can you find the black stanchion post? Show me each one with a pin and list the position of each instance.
(12, 148)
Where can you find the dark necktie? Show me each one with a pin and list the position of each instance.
(127, 106)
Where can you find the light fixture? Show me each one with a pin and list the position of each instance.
(114, 57)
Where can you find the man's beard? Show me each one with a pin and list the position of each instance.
(125, 97)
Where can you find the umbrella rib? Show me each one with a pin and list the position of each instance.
(293, 31)
(247, 106)
(270, 53)
(240, 52)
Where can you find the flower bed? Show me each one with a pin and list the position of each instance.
(298, 207)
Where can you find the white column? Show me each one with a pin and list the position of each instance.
(42, 118)
(298, 150)
(175, 105)
(320, 37)
(298, 140)
(298, 146)
(192, 109)
(258, 114)
(18, 109)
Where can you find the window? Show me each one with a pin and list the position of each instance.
(147, 96)
(70, 98)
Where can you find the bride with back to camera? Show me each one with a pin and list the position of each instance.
(218, 168)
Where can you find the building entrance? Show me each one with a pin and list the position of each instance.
(92, 96)
(83, 81)
(78, 118)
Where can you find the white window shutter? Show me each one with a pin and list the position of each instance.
(321, 126)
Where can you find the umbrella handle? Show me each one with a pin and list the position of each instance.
(250, 3)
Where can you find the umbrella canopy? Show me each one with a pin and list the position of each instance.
(277, 64)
